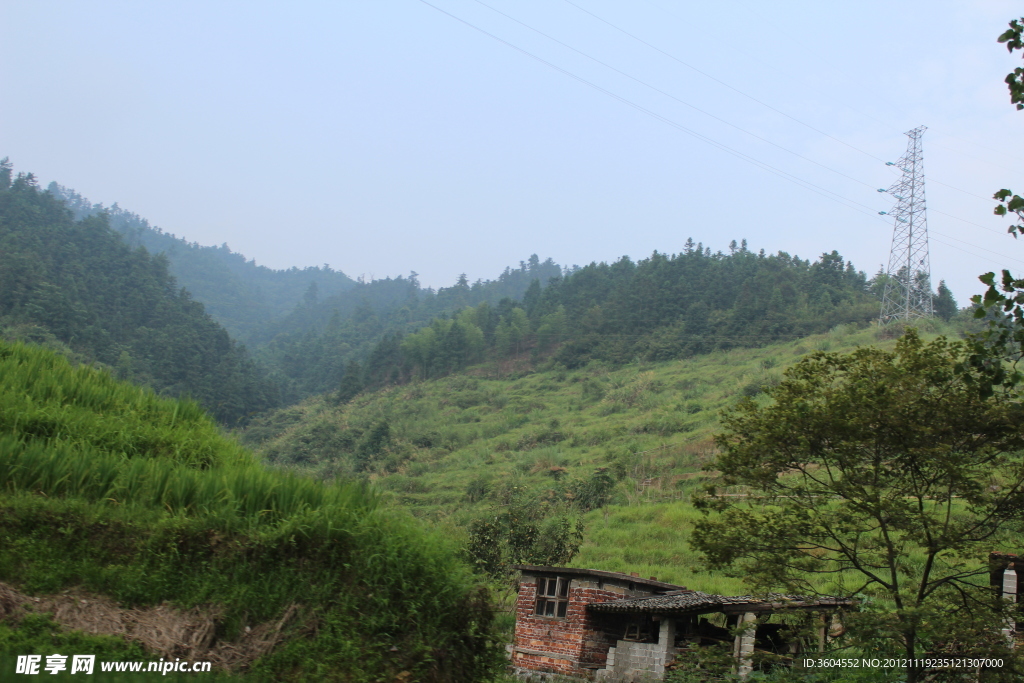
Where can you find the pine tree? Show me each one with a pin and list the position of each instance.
(945, 304)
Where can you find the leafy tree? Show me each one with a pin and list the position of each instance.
(944, 303)
(82, 285)
(1015, 79)
(1003, 302)
(1008, 201)
(594, 492)
(521, 530)
(890, 472)
(351, 383)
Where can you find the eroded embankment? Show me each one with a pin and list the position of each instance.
(164, 630)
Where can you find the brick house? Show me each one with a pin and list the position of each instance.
(608, 626)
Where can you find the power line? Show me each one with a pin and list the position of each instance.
(966, 192)
(829, 194)
(671, 96)
(778, 111)
(849, 203)
(719, 81)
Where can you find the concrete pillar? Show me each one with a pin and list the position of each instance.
(744, 645)
(1010, 595)
(666, 642)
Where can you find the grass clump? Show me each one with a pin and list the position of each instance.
(109, 489)
(453, 442)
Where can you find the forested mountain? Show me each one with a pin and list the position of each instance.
(242, 296)
(305, 324)
(318, 331)
(662, 307)
(78, 284)
(310, 349)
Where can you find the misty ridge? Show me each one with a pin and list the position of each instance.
(299, 332)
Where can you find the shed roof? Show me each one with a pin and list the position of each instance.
(600, 574)
(696, 602)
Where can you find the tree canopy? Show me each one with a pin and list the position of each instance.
(881, 473)
(77, 286)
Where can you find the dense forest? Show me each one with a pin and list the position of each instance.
(238, 293)
(77, 285)
(660, 308)
(311, 348)
(315, 330)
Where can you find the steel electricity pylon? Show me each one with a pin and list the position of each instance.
(908, 289)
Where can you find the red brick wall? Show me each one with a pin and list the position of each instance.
(576, 637)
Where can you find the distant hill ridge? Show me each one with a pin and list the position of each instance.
(305, 324)
(76, 286)
(317, 330)
(237, 292)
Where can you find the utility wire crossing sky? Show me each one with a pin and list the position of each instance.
(451, 136)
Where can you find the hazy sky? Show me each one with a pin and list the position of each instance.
(385, 136)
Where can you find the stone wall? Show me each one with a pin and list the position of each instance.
(631, 662)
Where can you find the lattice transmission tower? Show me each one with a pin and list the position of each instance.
(908, 289)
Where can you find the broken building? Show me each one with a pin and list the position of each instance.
(609, 626)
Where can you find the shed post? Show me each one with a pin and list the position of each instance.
(822, 631)
(1010, 595)
(744, 646)
(666, 641)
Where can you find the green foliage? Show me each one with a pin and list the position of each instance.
(81, 285)
(1015, 79)
(1008, 201)
(45, 400)
(593, 492)
(1002, 305)
(351, 383)
(373, 443)
(657, 309)
(456, 443)
(891, 471)
(945, 303)
(522, 531)
(107, 487)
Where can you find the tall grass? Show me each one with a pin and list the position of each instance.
(42, 396)
(108, 487)
(248, 494)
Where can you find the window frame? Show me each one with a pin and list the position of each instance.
(552, 597)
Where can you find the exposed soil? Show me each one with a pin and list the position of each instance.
(164, 630)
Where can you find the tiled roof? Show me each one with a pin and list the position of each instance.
(597, 573)
(696, 601)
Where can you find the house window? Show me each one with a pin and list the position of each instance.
(552, 597)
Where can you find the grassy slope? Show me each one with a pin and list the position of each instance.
(457, 444)
(107, 489)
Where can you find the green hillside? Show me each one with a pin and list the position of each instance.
(620, 447)
(77, 287)
(238, 293)
(133, 502)
(659, 308)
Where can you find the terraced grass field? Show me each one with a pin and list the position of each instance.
(454, 448)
